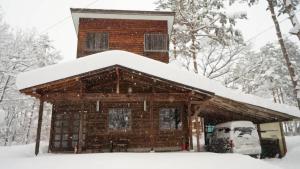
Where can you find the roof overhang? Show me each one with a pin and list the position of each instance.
(169, 73)
(78, 13)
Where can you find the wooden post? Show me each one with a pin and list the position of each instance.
(80, 131)
(197, 132)
(190, 127)
(283, 139)
(152, 138)
(39, 127)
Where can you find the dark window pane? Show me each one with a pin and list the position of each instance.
(59, 116)
(56, 144)
(57, 130)
(119, 118)
(58, 123)
(64, 144)
(76, 123)
(74, 143)
(169, 118)
(156, 42)
(75, 130)
(75, 137)
(97, 41)
(65, 136)
(57, 137)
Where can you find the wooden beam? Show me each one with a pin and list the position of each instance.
(39, 127)
(165, 97)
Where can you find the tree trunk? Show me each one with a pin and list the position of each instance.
(284, 51)
(292, 16)
(29, 124)
(194, 54)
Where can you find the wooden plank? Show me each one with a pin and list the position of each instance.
(39, 127)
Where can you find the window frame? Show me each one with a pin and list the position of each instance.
(155, 50)
(129, 128)
(180, 124)
(96, 49)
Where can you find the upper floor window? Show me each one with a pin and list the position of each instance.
(97, 41)
(169, 118)
(156, 42)
(119, 118)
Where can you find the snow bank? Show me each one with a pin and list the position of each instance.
(291, 160)
(21, 157)
(17, 157)
(145, 65)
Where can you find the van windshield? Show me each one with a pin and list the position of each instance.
(240, 131)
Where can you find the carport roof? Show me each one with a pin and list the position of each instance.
(148, 66)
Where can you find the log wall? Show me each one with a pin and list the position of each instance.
(124, 34)
(144, 134)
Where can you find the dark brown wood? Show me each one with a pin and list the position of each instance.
(39, 127)
(190, 123)
(197, 132)
(54, 97)
(152, 132)
(80, 132)
(124, 34)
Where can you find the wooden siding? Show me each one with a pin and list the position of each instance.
(125, 35)
(144, 134)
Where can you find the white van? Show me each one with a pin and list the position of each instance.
(235, 137)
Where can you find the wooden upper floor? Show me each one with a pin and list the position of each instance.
(142, 32)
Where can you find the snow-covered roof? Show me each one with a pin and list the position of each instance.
(233, 124)
(147, 66)
(122, 14)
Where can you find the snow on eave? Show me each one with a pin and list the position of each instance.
(147, 66)
(122, 14)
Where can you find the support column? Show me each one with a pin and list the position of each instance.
(39, 127)
(80, 131)
(197, 132)
(190, 126)
(283, 139)
(152, 133)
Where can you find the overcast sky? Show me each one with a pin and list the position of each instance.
(43, 14)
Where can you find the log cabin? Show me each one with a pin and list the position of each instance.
(121, 93)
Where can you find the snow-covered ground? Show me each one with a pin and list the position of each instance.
(22, 157)
(292, 159)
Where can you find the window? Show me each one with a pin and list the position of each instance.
(119, 118)
(97, 41)
(66, 130)
(240, 131)
(156, 42)
(169, 118)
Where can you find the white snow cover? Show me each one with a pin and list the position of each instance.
(22, 157)
(233, 124)
(144, 65)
